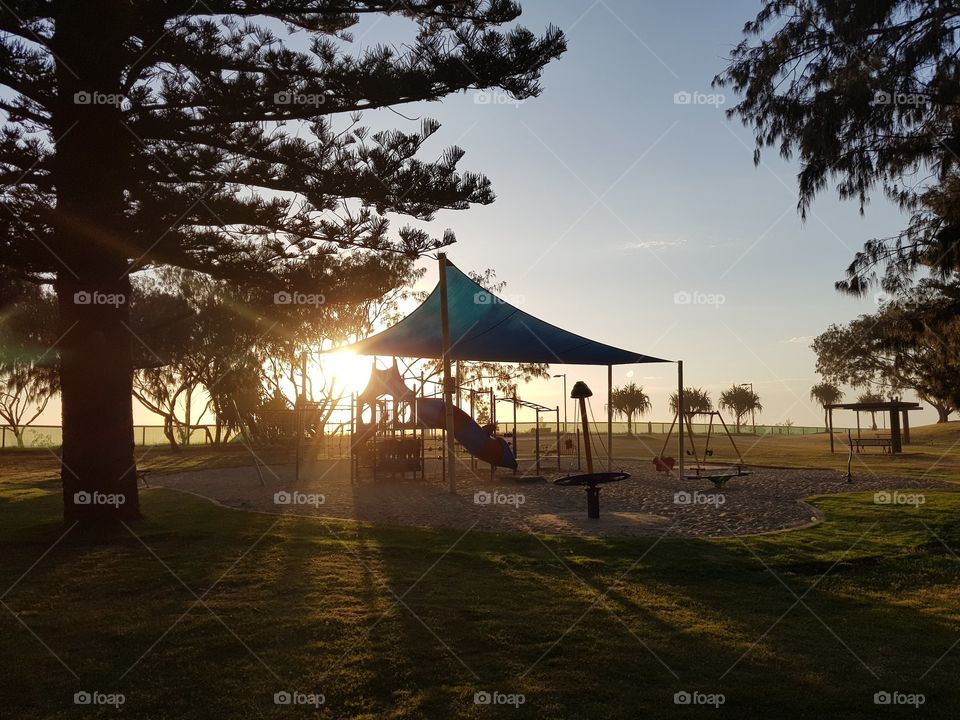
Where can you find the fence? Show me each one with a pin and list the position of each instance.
(39, 436)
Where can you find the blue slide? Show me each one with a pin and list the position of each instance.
(478, 441)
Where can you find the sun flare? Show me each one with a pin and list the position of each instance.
(347, 371)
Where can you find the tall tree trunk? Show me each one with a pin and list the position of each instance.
(943, 413)
(98, 469)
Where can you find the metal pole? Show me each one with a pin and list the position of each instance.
(473, 459)
(536, 439)
(564, 402)
(450, 469)
(516, 442)
(680, 413)
(558, 437)
(609, 418)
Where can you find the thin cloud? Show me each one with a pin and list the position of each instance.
(800, 339)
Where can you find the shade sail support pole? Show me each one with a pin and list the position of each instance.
(680, 415)
(447, 380)
(609, 418)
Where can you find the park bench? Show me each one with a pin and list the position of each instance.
(882, 442)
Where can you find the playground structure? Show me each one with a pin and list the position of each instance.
(461, 320)
(393, 427)
(717, 474)
(591, 480)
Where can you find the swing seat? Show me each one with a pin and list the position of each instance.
(718, 476)
(664, 464)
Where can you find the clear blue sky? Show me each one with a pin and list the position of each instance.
(612, 198)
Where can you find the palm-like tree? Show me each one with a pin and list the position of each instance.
(872, 397)
(696, 401)
(826, 394)
(628, 401)
(740, 400)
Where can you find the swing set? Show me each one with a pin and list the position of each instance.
(717, 474)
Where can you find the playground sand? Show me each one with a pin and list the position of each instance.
(647, 504)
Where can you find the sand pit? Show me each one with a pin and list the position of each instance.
(647, 504)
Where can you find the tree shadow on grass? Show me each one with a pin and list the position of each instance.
(305, 607)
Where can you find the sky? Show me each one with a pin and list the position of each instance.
(629, 208)
(617, 202)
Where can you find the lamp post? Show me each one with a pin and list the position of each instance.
(564, 376)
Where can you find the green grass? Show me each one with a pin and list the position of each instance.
(584, 628)
(934, 452)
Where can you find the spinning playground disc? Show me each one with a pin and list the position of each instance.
(592, 478)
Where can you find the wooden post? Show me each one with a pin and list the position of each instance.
(586, 435)
(906, 428)
(609, 418)
(451, 469)
(680, 415)
(896, 443)
(830, 426)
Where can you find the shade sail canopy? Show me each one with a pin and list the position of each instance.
(484, 327)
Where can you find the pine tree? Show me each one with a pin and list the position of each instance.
(214, 137)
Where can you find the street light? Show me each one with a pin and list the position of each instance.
(564, 376)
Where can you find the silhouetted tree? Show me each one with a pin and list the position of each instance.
(740, 400)
(864, 93)
(628, 401)
(871, 397)
(28, 376)
(696, 401)
(912, 343)
(826, 394)
(150, 133)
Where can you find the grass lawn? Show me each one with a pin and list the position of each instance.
(933, 452)
(203, 612)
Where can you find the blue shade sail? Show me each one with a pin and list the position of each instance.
(486, 328)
